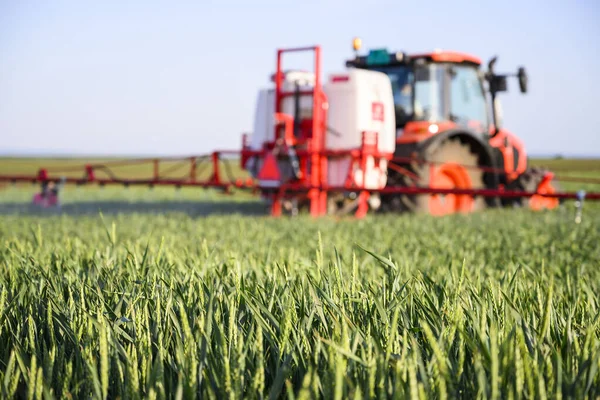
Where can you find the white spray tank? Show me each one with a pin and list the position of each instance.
(359, 101)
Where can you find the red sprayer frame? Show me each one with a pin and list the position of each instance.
(307, 145)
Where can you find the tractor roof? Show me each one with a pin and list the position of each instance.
(448, 56)
(384, 57)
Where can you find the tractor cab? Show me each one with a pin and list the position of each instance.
(440, 90)
(443, 117)
(432, 91)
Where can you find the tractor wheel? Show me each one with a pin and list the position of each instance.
(450, 165)
(529, 181)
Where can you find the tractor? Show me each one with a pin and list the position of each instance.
(449, 135)
(417, 133)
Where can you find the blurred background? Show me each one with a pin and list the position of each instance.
(178, 78)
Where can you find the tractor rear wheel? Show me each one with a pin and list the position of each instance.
(529, 181)
(451, 165)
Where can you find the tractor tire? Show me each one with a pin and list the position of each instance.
(529, 181)
(450, 165)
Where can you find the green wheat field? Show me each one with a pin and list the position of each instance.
(163, 293)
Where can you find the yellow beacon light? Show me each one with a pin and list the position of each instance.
(356, 44)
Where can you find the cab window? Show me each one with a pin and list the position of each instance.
(467, 98)
(429, 93)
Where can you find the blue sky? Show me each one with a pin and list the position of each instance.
(149, 77)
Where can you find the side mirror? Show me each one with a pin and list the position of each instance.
(498, 83)
(522, 75)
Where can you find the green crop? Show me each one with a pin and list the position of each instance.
(502, 304)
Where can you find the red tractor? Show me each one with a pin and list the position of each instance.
(449, 135)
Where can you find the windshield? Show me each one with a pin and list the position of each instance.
(425, 104)
(467, 100)
(437, 92)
